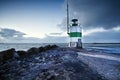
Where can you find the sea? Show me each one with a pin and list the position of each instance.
(111, 48)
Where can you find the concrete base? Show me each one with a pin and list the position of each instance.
(76, 44)
(79, 44)
(73, 44)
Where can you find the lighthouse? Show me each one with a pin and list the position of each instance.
(75, 34)
(74, 31)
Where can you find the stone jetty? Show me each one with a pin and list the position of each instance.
(49, 63)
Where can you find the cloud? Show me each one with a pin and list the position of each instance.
(56, 34)
(4, 32)
(105, 36)
(93, 35)
(92, 31)
(100, 19)
(117, 28)
(96, 13)
(13, 36)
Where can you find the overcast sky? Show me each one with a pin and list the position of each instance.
(44, 20)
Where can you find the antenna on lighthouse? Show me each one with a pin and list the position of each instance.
(67, 17)
(74, 31)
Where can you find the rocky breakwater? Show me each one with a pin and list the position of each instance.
(45, 63)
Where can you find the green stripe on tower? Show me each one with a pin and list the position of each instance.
(75, 34)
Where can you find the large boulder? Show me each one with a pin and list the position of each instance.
(54, 46)
(47, 47)
(42, 49)
(6, 55)
(21, 53)
(33, 50)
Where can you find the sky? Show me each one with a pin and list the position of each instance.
(41, 21)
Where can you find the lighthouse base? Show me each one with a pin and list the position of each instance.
(76, 44)
(79, 44)
(73, 44)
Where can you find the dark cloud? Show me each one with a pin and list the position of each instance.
(4, 32)
(110, 36)
(94, 13)
(13, 36)
(97, 13)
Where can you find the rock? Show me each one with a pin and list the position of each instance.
(6, 55)
(22, 53)
(51, 78)
(54, 46)
(46, 76)
(48, 47)
(16, 55)
(33, 50)
(51, 46)
(41, 49)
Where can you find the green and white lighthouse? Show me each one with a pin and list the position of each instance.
(74, 31)
(75, 34)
